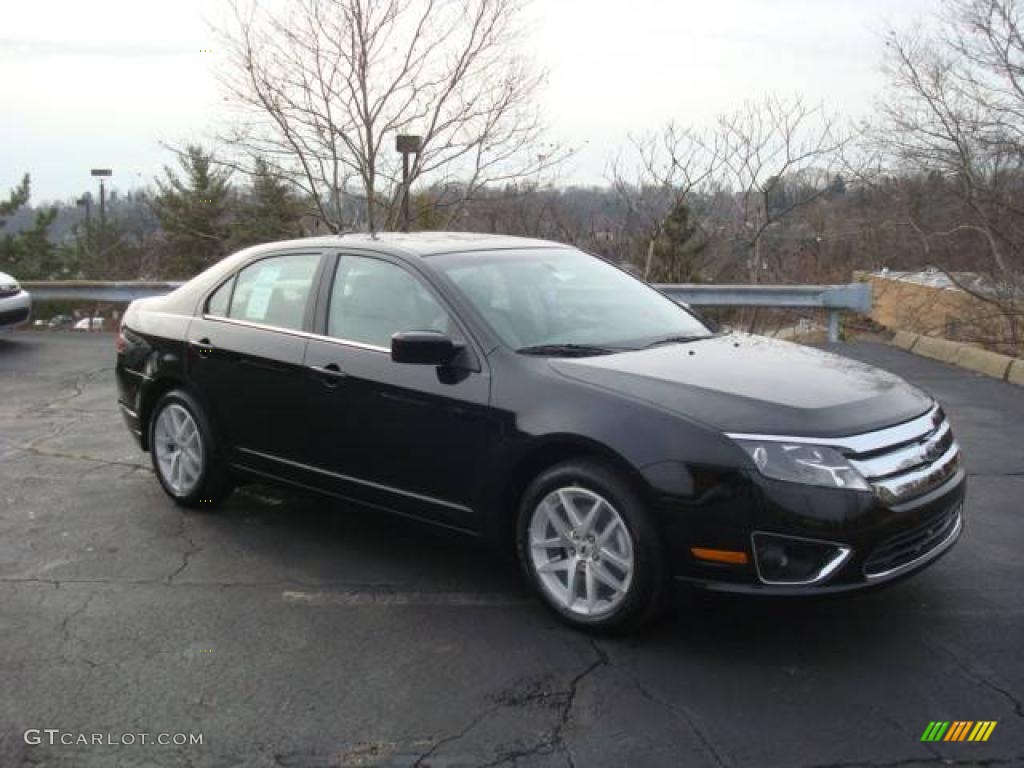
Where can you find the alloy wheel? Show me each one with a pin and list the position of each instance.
(178, 446)
(581, 551)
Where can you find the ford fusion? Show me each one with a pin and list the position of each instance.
(544, 399)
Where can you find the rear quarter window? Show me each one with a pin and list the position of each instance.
(217, 304)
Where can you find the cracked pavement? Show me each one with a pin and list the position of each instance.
(294, 633)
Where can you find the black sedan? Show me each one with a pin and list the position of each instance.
(544, 399)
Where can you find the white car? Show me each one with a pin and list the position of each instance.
(15, 303)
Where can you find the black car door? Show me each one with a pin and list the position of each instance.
(245, 355)
(408, 437)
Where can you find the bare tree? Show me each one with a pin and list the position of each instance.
(767, 146)
(735, 174)
(955, 107)
(322, 88)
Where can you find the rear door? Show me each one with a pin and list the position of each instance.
(408, 437)
(245, 354)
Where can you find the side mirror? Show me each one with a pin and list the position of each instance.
(423, 348)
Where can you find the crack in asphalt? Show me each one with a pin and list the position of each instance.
(186, 556)
(688, 718)
(31, 448)
(420, 761)
(553, 741)
(65, 625)
(1018, 706)
(77, 386)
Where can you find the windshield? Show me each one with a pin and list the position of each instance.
(535, 299)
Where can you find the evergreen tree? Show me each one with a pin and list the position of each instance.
(677, 249)
(108, 253)
(29, 254)
(17, 198)
(192, 209)
(268, 212)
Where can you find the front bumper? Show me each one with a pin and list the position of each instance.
(15, 310)
(884, 543)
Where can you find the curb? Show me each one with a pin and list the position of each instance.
(982, 361)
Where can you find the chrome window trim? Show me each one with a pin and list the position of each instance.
(928, 556)
(864, 442)
(293, 332)
(826, 570)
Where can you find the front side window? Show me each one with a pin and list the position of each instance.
(563, 297)
(371, 300)
(274, 291)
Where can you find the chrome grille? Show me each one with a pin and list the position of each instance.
(910, 547)
(907, 460)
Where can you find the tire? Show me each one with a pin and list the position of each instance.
(178, 427)
(621, 531)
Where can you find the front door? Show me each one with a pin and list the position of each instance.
(408, 437)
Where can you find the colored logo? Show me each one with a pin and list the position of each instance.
(958, 730)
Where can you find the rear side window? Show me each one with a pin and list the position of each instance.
(274, 291)
(218, 302)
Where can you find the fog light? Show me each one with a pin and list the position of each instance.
(793, 560)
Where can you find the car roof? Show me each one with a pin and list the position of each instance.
(420, 244)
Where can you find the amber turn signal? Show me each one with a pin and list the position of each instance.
(720, 555)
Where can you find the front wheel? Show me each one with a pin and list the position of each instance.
(183, 451)
(589, 547)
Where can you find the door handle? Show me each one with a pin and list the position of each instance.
(329, 375)
(203, 347)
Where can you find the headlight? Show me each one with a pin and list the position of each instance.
(10, 288)
(799, 463)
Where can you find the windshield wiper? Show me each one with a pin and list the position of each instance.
(675, 340)
(566, 350)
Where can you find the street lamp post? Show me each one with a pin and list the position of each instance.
(407, 145)
(102, 173)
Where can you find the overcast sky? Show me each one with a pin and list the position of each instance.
(101, 84)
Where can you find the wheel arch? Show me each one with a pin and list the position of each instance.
(157, 389)
(541, 456)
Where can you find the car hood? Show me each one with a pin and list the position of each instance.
(753, 384)
(6, 279)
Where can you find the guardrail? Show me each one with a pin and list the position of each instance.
(834, 299)
(96, 290)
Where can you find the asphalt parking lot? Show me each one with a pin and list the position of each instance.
(291, 633)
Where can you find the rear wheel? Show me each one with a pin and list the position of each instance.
(184, 453)
(589, 547)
